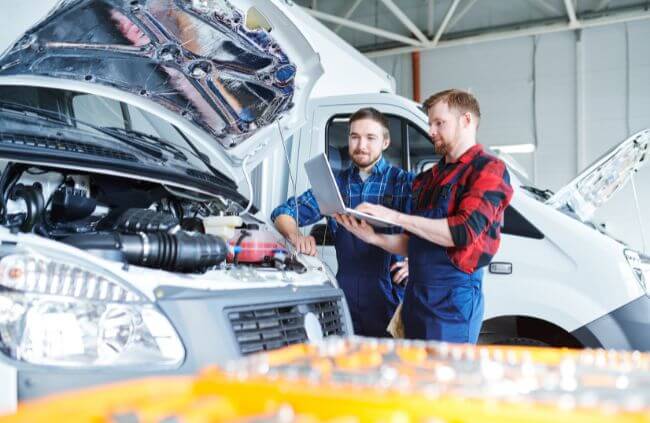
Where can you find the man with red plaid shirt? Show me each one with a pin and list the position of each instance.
(454, 229)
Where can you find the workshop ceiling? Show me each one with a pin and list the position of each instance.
(384, 27)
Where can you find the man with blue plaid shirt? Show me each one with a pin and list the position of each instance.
(364, 272)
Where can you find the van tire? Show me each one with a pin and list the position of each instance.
(528, 342)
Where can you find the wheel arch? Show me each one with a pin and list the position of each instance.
(503, 327)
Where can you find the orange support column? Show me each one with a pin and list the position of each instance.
(415, 64)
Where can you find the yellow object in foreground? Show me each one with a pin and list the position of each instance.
(368, 380)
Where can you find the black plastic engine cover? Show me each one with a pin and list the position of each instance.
(144, 220)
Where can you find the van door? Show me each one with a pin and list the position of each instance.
(330, 128)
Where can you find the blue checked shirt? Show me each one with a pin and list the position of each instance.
(387, 185)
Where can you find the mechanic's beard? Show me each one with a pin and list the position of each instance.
(365, 161)
(441, 148)
(444, 147)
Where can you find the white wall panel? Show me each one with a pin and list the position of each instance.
(500, 75)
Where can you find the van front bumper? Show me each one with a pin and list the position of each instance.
(626, 328)
(211, 329)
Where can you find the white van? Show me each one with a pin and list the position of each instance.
(558, 278)
(120, 143)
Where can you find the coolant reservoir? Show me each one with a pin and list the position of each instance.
(222, 226)
(254, 246)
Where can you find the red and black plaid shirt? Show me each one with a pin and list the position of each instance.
(476, 204)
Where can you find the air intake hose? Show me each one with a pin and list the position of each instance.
(179, 252)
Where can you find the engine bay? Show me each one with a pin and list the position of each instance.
(136, 222)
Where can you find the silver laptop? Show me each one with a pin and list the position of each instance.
(327, 193)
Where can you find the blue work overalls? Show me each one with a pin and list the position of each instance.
(441, 302)
(364, 276)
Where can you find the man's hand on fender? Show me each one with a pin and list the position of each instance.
(304, 244)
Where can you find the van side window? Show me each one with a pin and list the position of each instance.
(422, 155)
(338, 130)
(514, 223)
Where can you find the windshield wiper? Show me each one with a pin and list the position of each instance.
(164, 145)
(171, 148)
(54, 117)
(33, 112)
(144, 141)
(544, 194)
(145, 147)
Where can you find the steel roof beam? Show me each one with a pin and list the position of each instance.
(516, 30)
(348, 13)
(460, 15)
(430, 16)
(445, 22)
(363, 28)
(547, 7)
(571, 12)
(405, 20)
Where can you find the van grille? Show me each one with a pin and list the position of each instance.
(269, 328)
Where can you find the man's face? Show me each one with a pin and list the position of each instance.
(445, 127)
(366, 142)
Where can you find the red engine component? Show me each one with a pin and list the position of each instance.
(253, 246)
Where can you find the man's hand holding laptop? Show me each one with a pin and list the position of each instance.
(396, 243)
(362, 229)
(365, 232)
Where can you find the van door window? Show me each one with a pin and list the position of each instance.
(338, 130)
(421, 152)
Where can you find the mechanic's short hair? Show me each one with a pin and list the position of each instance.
(459, 100)
(372, 114)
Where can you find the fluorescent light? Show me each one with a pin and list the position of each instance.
(514, 148)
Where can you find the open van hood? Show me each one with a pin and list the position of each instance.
(600, 181)
(232, 75)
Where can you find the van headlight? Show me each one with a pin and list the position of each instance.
(61, 312)
(640, 265)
